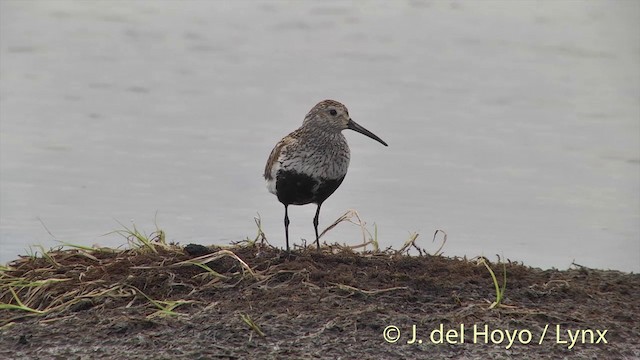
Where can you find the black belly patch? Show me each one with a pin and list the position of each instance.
(294, 188)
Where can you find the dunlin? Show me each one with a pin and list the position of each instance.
(309, 164)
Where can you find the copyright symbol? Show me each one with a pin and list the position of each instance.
(391, 334)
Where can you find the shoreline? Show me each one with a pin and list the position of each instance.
(168, 301)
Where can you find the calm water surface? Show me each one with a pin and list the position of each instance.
(513, 126)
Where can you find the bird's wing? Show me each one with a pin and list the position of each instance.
(275, 154)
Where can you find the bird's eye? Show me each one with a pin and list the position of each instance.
(333, 112)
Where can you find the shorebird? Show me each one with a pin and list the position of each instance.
(309, 164)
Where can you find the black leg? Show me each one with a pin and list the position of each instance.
(286, 226)
(315, 225)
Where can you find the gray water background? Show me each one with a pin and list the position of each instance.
(513, 126)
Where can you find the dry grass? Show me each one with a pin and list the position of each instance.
(154, 274)
(163, 277)
(282, 302)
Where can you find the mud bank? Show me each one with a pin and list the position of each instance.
(168, 302)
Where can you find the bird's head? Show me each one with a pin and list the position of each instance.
(332, 116)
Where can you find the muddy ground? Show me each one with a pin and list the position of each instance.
(331, 305)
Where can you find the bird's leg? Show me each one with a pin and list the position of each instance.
(315, 225)
(286, 226)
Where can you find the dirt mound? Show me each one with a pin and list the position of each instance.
(167, 302)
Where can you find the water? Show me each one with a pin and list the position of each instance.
(513, 126)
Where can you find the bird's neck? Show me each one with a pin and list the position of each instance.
(318, 135)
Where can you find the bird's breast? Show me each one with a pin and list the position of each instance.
(317, 163)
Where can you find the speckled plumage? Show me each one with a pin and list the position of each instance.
(309, 164)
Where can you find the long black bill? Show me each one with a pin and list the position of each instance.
(355, 127)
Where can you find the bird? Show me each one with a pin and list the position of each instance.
(310, 163)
